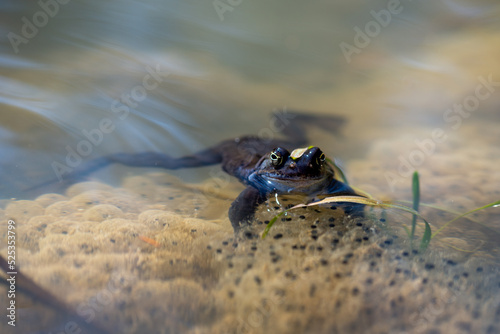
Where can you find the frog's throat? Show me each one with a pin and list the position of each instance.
(298, 152)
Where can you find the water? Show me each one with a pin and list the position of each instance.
(417, 83)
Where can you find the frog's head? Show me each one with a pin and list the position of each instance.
(303, 171)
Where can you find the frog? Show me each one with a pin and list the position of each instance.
(266, 165)
(304, 171)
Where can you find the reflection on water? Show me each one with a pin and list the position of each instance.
(418, 84)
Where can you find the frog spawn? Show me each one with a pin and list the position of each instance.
(308, 222)
(352, 277)
(317, 271)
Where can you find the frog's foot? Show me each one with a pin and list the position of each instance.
(242, 210)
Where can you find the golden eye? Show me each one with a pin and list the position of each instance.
(279, 156)
(321, 159)
(276, 158)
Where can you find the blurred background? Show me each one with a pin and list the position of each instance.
(417, 82)
(70, 69)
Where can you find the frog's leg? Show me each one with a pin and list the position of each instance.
(147, 159)
(154, 159)
(243, 208)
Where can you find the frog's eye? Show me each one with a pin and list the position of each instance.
(278, 156)
(321, 159)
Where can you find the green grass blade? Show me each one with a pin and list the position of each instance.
(416, 201)
(494, 204)
(426, 238)
(271, 223)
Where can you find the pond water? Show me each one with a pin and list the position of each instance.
(139, 249)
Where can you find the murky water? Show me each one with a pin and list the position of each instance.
(418, 83)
